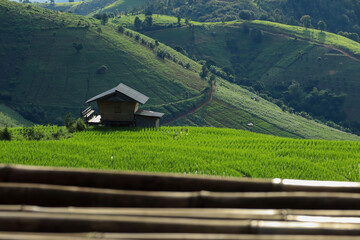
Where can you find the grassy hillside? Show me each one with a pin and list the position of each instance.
(9, 117)
(91, 7)
(278, 61)
(46, 77)
(50, 78)
(234, 106)
(202, 151)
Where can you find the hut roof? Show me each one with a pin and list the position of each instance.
(123, 89)
(149, 114)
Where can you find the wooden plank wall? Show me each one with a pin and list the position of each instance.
(117, 110)
(57, 203)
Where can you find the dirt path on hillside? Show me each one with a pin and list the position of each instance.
(208, 100)
(318, 43)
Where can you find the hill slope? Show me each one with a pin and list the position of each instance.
(10, 118)
(47, 77)
(287, 57)
(91, 7)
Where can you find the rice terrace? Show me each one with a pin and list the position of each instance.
(198, 151)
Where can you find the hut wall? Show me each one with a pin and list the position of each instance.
(142, 121)
(117, 111)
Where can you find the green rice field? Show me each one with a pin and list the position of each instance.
(190, 150)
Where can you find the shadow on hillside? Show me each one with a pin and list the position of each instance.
(307, 33)
(107, 129)
(322, 37)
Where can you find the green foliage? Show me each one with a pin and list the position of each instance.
(246, 14)
(204, 71)
(104, 18)
(190, 150)
(137, 23)
(80, 125)
(306, 21)
(352, 36)
(322, 25)
(69, 121)
(5, 134)
(121, 29)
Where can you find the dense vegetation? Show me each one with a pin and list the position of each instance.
(310, 76)
(207, 151)
(337, 15)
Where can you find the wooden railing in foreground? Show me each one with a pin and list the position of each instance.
(57, 203)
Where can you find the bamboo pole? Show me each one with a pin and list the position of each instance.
(44, 222)
(57, 196)
(163, 182)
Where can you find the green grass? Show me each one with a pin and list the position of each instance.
(207, 151)
(9, 117)
(237, 109)
(275, 62)
(310, 34)
(91, 7)
(158, 20)
(55, 78)
(123, 5)
(271, 113)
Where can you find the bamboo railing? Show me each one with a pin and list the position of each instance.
(57, 203)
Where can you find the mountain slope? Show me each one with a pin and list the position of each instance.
(91, 7)
(10, 118)
(285, 58)
(50, 78)
(47, 77)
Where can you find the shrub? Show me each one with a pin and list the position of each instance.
(161, 54)
(80, 125)
(69, 121)
(137, 37)
(33, 134)
(121, 29)
(57, 135)
(5, 134)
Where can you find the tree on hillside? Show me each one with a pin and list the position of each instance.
(306, 21)
(78, 46)
(322, 25)
(204, 71)
(104, 19)
(71, 0)
(178, 19)
(148, 22)
(246, 14)
(148, 12)
(137, 22)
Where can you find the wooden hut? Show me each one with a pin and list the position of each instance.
(120, 106)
